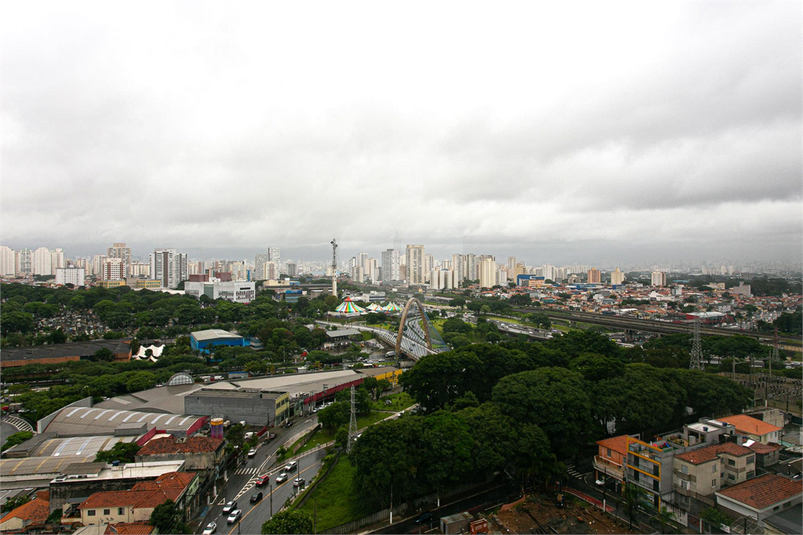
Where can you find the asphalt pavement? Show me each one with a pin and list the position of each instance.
(241, 481)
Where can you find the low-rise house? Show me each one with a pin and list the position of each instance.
(753, 428)
(701, 472)
(133, 528)
(766, 454)
(33, 513)
(198, 453)
(137, 504)
(611, 458)
(761, 497)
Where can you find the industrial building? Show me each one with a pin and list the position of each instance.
(203, 340)
(253, 406)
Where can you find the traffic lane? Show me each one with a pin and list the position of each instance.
(257, 514)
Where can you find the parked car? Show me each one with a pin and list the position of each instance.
(210, 528)
(281, 478)
(291, 466)
(234, 516)
(289, 423)
(229, 507)
(263, 480)
(255, 497)
(424, 518)
(252, 452)
(299, 482)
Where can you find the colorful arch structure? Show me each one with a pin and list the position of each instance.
(416, 327)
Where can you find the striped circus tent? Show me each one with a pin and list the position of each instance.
(392, 307)
(349, 307)
(373, 307)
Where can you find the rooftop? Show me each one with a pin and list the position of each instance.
(214, 334)
(76, 421)
(35, 511)
(617, 444)
(764, 491)
(748, 425)
(73, 349)
(129, 528)
(709, 453)
(168, 445)
(145, 494)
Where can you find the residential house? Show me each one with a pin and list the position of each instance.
(32, 513)
(701, 472)
(133, 528)
(761, 497)
(137, 504)
(611, 458)
(753, 428)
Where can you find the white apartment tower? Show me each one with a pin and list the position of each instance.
(487, 273)
(658, 278)
(390, 265)
(8, 264)
(24, 262)
(71, 275)
(274, 255)
(119, 250)
(169, 266)
(415, 265)
(617, 277)
(42, 261)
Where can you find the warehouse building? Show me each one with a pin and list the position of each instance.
(253, 406)
(203, 340)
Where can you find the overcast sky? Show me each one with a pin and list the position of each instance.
(570, 133)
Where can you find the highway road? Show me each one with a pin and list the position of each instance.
(241, 481)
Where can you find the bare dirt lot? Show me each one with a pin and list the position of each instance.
(539, 514)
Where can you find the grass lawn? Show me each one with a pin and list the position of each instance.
(323, 436)
(398, 401)
(335, 498)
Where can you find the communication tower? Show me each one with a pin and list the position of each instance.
(352, 423)
(696, 349)
(334, 267)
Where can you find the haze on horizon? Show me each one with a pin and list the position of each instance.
(579, 133)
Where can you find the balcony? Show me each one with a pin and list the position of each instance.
(609, 468)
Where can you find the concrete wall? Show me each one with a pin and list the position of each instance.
(253, 410)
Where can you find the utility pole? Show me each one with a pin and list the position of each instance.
(334, 267)
(270, 495)
(352, 423)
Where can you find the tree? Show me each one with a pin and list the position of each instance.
(664, 517)
(12, 503)
(235, 437)
(125, 452)
(16, 438)
(715, 517)
(342, 438)
(289, 521)
(631, 497)
(334, 415)
(103, 354)
(166, 517)
(554, 399)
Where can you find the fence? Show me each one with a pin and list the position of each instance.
(375, 518)
(321, 477)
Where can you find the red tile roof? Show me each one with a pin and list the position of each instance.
(709, 453)
(145, 494)
(35, 511)
(764, 491)
(748, 425)
(617, 444)
(168, 445)
(762, 449)
(129, 528)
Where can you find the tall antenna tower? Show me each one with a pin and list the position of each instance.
(696, 349)
(775, 356)
(334, 267)
(352, 423)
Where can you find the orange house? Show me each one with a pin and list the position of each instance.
(609, 461)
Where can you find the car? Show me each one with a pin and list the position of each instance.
(600, 482)
(281, 478)
(252, 452)
(291, 466)
(263, 480)
(210, 529)
(299, 482)
(255, 497)
(424, 518)
(229, 507)
(234, 516)
(289, 423)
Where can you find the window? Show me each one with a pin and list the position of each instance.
(713, 483)
(107, 511)
(90, 512)
(751, 460)
(730, 477)
(684, 469)
(713, 468)
(121, 510)
(731, 462)
(751, 475)
(609, 452)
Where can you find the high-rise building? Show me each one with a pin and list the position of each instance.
(487, 269)
(139, 269)
(57, 260)
(617, 277)
(8, 262)
(169, 267)
(458, 265)
(292, 269)
(511, 267)
(471, 266)
(259, 266)
(119, 250)
(658, 278)
(594, 276)
(42, 261)
(429, 264)
(415, 265)
(390, 265)
(113, 269)
(274, 255)
(24, 262)
(271, 270)
(370, 269)
(71, 275)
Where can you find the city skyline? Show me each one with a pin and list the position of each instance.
(616, 134)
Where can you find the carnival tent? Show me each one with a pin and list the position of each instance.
(349, 307)
(373, 307)
(392, 307)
